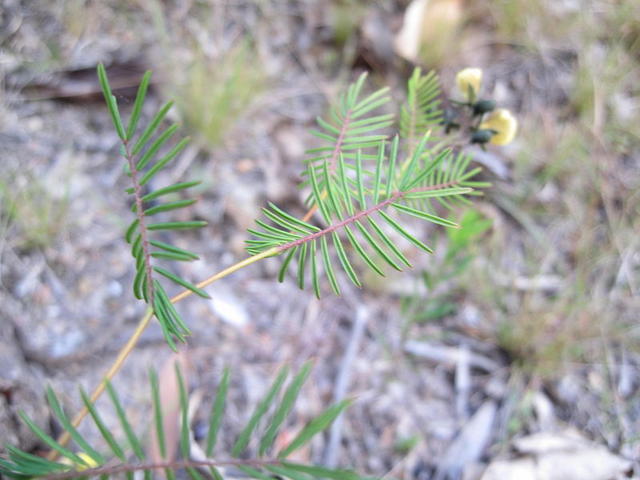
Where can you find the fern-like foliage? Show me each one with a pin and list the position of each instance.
(143, 163)
(253, 451)
(359, 208)
(421, 112)
(351, 127)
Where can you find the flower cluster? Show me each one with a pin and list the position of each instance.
(488, 124)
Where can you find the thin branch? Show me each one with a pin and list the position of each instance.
(137, 192)
(361, 214)
(173, 465)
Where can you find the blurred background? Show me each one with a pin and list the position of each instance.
(515, 344)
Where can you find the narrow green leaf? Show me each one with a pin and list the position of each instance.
(137, 106)
(185, 442)
(112, 104)
(159, 165)
(288, 401)
(50, 442)
(176, 225)
(360, 182)
(441, 192)
(302, 259)
(104, 431)
(335, 204)
(285, 264)
(66, 424)
(346, 191)
(344, 260)
(170, 189)
(371, 241)
(317, 425)
(280, 234)
(283, 472)
(131, 437)
(172, 256)
(165, 207)
(318, 196)
(155, 146)
(137, 283)
(426, 216)
(378, 174)
(217, 411)
(130, 230)
(428, 171)
(172, 248)
(180, 281)
(253, 473)
(282, 218)
(155, 121)
(323, 472)
(356, 245)
(404, 233)
(328, 268)
(391, 172)
(315, 277)
(261, 409)
(387, 241)
(38, 464)
(157, 413)
(166, 302)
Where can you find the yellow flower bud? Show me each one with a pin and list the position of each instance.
(503, 123)
(469, 81)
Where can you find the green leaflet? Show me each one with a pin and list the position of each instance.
(262, 426)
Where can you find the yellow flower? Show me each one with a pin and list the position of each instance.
(79, 467)
(469, 78)
(503, 123)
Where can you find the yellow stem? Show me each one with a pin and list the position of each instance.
(142, 325)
